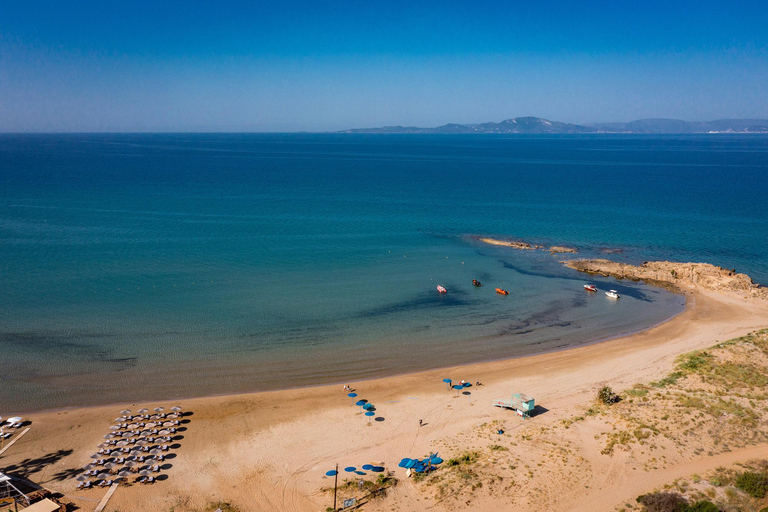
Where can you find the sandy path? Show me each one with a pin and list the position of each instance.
(642, 483)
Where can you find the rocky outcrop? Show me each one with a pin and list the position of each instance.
(679, 275)
(555, 249)
(509, 243)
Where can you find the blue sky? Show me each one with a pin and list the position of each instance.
(287, 66)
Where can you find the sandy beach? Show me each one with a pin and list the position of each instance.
(271, 450)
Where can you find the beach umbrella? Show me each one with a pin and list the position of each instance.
(88, 467)
(109, 465)
(403, 463)
(103, 476)
(136, 453)
(368, 406)
(176, 408)
(108, 436)
(123, 443)
(448, 381)
(124, 473)
(457, 387)
(164, 432)
(150, 425)
(155, 451)
(369, 414)
(332, 472)
(377, 469)
(367, 466)
(350, 469)
(159, 409)
(82, 478)
(411, 463)
(114, 427)
(143, 411)
(360, 403)
(120, 419)
(129, 463)
(141, 442)
(154, 417)
(102, 445)
(352, 395)
(125, 411)
(95, 456)
(145, 472)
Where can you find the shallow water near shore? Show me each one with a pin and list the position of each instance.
(153, 266)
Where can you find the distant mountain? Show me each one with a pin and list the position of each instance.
(539, 125)
(677, 126)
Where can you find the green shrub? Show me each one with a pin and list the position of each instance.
(663, 502)
(607, 396)
(702, 506)
(754, 484)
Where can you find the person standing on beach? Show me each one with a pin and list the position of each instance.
(421, 422)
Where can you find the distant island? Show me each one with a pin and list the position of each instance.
(539, 125)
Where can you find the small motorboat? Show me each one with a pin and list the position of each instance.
(476, 282)
(613, 294)
(441, 289)
(590, 287)
(503, 292)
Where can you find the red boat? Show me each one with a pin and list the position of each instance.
(590, 287)
(503, 292)
(441, 289)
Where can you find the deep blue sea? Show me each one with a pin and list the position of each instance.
(149, 266)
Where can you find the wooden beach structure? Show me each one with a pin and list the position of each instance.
(522, 404)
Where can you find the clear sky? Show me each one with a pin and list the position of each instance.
(328, 65)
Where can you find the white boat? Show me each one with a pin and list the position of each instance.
(613, 294)
(590, 287)
(441, 289)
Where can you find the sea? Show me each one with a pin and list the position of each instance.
(138, 267)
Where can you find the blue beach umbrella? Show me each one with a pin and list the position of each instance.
(369, 414)
(403, 463)
(332, 472)
(368, 406)
(448, 381)
(411, 463)
(367, 466)
(350, 469)
(360, 403)
(352, 395)
(457, 387)
(377, 469)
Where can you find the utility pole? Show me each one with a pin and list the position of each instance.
(335, 484)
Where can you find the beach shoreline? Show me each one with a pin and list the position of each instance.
(122, 404)
(269, 450)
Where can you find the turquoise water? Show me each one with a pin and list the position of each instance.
(149, 266)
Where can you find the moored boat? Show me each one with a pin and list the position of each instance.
(441, 289)
(613, 294)
(476, 282)
(503, 292)
(590, 287)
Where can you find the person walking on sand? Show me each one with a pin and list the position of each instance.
(421, 422)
